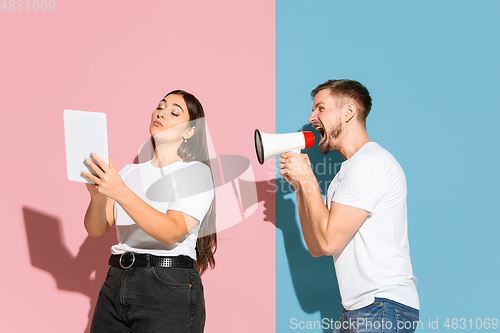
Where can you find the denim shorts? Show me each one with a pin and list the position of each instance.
(150, 299)
(382, 316)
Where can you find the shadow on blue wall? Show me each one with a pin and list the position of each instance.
(314, 279)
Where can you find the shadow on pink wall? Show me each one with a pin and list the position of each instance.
(83, 273)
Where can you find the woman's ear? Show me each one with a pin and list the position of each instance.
(189, 133)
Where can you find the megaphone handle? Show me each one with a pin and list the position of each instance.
(297, 151)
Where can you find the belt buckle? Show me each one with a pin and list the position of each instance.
(122, 257)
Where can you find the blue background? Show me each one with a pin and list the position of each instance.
(432, 70)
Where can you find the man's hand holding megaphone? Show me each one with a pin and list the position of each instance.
(296, 169)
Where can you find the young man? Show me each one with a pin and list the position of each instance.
(363, 223)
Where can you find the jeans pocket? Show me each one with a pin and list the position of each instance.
(406, 322)
(172, 277)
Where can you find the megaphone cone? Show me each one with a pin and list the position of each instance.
(267, 145)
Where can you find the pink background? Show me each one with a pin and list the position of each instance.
(121, 58)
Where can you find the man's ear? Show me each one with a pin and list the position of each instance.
(189, 133)
(350, 111)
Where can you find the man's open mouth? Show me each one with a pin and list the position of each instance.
(320, 130)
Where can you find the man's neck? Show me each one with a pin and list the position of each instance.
(352, 143)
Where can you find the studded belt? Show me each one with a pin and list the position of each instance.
(131, 259)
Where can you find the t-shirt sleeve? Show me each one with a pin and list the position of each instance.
(194, 190)
(362, 184)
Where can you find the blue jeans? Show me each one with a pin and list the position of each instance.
(150, 299)
(382, 316)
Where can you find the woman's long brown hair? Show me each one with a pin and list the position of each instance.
(196, 149)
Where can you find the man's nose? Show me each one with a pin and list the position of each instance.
(312, 117)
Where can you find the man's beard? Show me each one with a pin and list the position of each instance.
(333, 134)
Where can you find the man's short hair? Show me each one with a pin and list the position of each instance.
(348, 89)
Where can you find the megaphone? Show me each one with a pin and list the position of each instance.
(267, 145)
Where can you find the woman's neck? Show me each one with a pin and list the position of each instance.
(164, 157)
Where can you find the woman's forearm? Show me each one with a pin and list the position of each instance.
(166, 227)
(95, 221)
(162, 227)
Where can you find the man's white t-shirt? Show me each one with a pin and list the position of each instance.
(376, 261)
(182, 186)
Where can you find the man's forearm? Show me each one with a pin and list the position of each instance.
(312, 214)
(332, 229)
(310, 239)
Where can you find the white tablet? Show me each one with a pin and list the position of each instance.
(85, 132)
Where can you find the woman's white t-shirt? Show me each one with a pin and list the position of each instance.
(182, 186)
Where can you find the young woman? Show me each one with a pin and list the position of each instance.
(164, 212)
